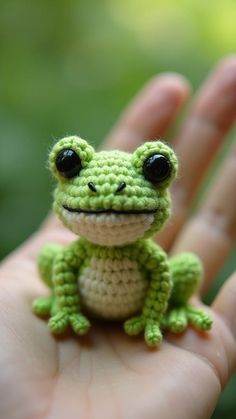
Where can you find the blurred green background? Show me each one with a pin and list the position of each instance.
(70, 66)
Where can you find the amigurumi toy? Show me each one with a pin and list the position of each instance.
(115, 201)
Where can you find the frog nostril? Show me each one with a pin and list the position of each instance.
(121, 186)
(92, 187)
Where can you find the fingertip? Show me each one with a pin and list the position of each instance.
(170, 82)
(175, 87)
(224, 75)
(225, 63)
(151, 112)
(225, 303)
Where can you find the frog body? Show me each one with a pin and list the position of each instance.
(115, 202)
(112, 288)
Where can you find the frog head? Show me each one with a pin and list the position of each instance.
(112, 198)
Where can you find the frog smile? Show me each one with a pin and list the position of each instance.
(109, 211)
(108, 227)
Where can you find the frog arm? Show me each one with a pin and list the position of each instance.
(154, 260)
(65, 287)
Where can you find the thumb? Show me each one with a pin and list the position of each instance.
(50, 231)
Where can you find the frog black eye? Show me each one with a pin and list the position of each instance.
(68, 163)
(156, 168)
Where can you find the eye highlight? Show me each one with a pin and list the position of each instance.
(68, 163)
(156, 168)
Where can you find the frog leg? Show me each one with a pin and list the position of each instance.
(186, 271)
(66, 307)
(155, 304)
(58, 269)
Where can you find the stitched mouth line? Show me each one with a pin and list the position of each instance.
(108, 211)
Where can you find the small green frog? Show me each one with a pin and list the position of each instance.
(115, 201)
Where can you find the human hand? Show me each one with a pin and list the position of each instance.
(107, 374)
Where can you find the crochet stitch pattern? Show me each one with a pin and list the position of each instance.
(115, 202)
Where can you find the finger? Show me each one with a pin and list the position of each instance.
(225, 303)
(211, 232)
(150, 113)
(212, 114)
(24, 259)
(51, 231)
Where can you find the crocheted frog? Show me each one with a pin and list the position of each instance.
(115, 201)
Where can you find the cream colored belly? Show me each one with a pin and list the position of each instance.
(112, 289)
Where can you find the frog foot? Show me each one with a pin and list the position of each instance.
(60, 321)
(152, 332)
(200, 319)
(42, 306)
(178, 319)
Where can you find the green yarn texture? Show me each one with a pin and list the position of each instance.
(114, 270)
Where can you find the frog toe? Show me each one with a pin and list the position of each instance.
(177, 320)
(79, 323)
(58, 323)
(134, 326)
(42, 306)
(200, 319)
(152, 335)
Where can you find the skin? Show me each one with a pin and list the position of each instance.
(61, 268)
(42, 377)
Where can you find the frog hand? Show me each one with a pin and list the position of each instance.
(60, 322)
(150, 327)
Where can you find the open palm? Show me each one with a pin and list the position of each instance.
(108, 374)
